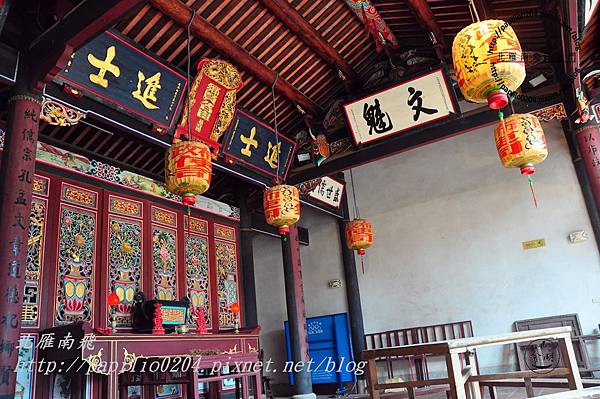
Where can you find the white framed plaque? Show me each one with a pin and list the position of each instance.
(329, 191)
(414, 102)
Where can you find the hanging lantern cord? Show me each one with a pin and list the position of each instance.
(473, 10)
(189, 39)
(277, 148)
(189, 217)
(356, 212)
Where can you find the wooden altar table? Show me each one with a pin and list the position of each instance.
(204, 351)
(464, 381)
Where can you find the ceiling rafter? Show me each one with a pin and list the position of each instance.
(206, 32)
(425, 17)
(294, 21)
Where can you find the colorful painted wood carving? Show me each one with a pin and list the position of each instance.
(224, 232)
(57, 114)
(67, 160)
(227, 280)
(197, 279)
(125, 207)
(374, 24)
(164, 262)
(125, 259)
(76, 261)
(556, 111)
(41, 185)
(163, 216)
(35, 256)
(79, 196)
(196, 225)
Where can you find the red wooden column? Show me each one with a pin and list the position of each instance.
(588, 140)
(294, 298)
(16, 176)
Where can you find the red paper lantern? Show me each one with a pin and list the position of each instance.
(282, 206)
(113, 299)
(359, 235)
(188, 168)
(235, 307)
(520, 142)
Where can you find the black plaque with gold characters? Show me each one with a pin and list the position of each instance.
(114, 71)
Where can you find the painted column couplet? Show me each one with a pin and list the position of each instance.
(294, 297)
(588, 140)
(16, 177)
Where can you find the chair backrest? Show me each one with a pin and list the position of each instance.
(571, 320)
(419, 335)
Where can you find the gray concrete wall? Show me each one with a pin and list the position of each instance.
(321, 262)
(448, 222)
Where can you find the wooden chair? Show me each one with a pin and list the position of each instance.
(579, 340)
(418, 368)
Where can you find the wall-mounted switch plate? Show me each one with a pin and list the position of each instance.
(578, 236)
(336, 283)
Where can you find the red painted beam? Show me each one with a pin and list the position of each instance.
(49, 52)
(426, 18)
(203, 30)
(309, 35)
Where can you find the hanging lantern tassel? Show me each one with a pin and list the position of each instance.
(532, 191)
(501, 116)
(362, 253)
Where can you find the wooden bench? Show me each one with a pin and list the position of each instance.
(465, 381)
(418, 367)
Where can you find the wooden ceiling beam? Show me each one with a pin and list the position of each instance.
(425, 16)
(296, 23)
(216, 39)
(50, 51)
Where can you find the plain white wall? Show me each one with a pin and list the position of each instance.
(448, 221)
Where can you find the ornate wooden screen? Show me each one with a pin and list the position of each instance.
(124, 252)
(85, 242)
(197, 278)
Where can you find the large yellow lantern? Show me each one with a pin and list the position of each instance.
(488, 62)
(520, 142)
(359, 235)
(188, 169)
(282, 206)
